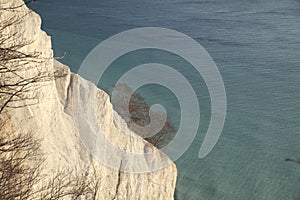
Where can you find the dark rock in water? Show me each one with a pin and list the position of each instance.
(293, 160)
(289, 159)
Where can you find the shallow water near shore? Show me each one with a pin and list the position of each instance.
(256, 46)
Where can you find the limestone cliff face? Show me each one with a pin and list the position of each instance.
(52, 119)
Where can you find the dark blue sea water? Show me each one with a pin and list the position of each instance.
(256, 46)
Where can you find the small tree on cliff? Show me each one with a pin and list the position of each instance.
(139, 114)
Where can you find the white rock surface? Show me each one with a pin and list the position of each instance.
(52, 119)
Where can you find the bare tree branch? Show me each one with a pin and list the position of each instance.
(21, 158)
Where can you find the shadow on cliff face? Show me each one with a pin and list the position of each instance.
(175, 195)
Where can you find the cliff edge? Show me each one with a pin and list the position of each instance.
(52, 120)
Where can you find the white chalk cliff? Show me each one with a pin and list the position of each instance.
(52, 119)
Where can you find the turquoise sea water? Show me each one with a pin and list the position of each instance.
(256, 46)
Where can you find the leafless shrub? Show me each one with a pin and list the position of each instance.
(20, 163)
(16, 84)
(21, 177)
(71, 185)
